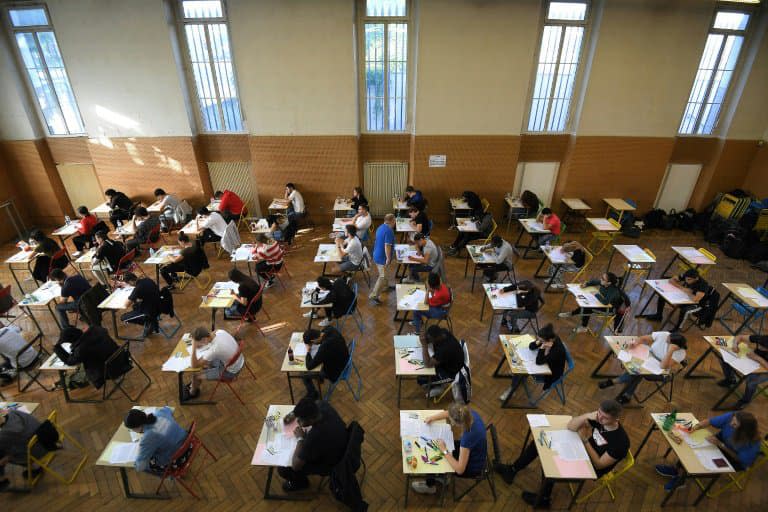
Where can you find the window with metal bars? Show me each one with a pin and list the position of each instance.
(560, 50)
(39, 52)
(716, 69)
(210, 64)
(385, 78)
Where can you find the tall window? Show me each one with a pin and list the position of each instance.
(210, 59)
(560, 50)
(716, 68)
(385, 64)
(40, 55)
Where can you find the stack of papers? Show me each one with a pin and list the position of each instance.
(504, 300)
(537, 420)
(696, 439)
(528, 357)
(412, 300)
(118, 299)
(568, 445)
(177, 364)
(744, 365)
(123, 453)
(413, 426)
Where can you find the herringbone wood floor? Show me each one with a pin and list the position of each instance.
(230, 430)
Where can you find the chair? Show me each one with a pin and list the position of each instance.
(637, 269)
(659, 385)
(454, 381)
(7, 303)
(486, 475)
(202, 280)
(745, 311)
(484, 202)
(604, 318)
(44, 461)
(249, 315)
(31, 371)
(153, 238)
(349, 465)
(363, 268)
(608, 479)
(243, 220)
(558, 385)
(275, 272)
(116, 367)
(704, 269)
(230, 241)
(224, 379)
(57, 256)
(352, 311)
(345, 376)
(740, 479)
(128, 264)
(579, 275)
(181, 464)
(606, 237)
(494, 227)
(446, 317)
(534, 319)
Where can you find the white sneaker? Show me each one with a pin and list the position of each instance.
(435, 392)
(505, 394)
(76, 254)
(581, 329)
(421, 487)
(557, 286)
(309, 314)
(324, 322)
(565, 314)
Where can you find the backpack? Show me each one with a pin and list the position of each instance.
(669, 221)
(48, 436)
(685, 219)
(462, 385)
(734, 245)
(166, 302)
(708, 304)
(653, 218)
(631, 231)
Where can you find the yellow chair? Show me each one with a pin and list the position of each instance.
(202, 280)
(608, 479)
(494, 226)
(638, 269)
(485, 204)
(588, 257)
(740, 479)
(604, 318)
(703, 270)
(44, 462)
(243, 221)
(606, 237)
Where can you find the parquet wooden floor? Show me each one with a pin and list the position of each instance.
(231, 431)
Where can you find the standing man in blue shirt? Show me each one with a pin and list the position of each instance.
(383, 248)
(161, 437)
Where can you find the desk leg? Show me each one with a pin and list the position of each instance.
(114, 322)
(402, 321)
(595, 373)
(515, 385)
(728, 393)
(497, 373)
(645, 439)
(290, 387)
(191, 401)
(53, 315)
(399, 388)
(610, 259)
(474, 275)
(673, 491)
(130, 494)
(689, 374)
(706, 489)
(648, 302)
(516, 245)
(407, 488)
(28, 311)
(490, 325)
(664, 272)
(576, 494)
(15, 277)
(538, 269)
(213, 319)
(482, 307)
(466, 263)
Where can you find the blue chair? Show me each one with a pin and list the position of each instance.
(558, 385)
(431, 225)
(745, 311)
(345, 376)
(353, 312)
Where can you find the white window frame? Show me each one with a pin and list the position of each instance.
(362, 20)
(187, 61)
(21, 66)
(577, 81)
(743, 8)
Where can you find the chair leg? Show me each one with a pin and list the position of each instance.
(229, 385)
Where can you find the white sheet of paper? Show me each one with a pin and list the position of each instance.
(177, 364)
(242, 254)
(653, 365)
(135, 436)
(226, 285)
(707, 456)
(279, 451)
(537, 420)
(743, 364)
(300, 349)
(624, 356)
(124, 452)
(416, 427)
(568, 445)
(67, 347)
(411, 300)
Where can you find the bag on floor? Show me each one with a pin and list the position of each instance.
(669, 221)
(653, 218)
(734, 245)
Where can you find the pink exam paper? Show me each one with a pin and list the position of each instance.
(640, 351)
(290, 427)
(572, 468)
(405, 366)
(257, 454)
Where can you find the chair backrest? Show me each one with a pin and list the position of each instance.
(7, 301)
(235, 356)
(127, 258)
(494, 227)
(485, 204)
(569, 362)
(231, 239)
(353, 304)
(707, 254)
(154, 234)
(191, 442)
(348, 367)
(119, 363)
(61, 253)
(615, 223)
(762, 291)
(254, 300)
(166, 302)
(649, 252)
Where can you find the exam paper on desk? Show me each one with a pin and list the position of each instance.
(416, 427)
(568, 445)
(123, 452)
(743, 364)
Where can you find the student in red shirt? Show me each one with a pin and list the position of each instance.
(550, 222)
(230, 205)
(85, 229)
(438, 297)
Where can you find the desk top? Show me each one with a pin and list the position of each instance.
(191, 229)
(551, 435)
(296, 343)
(619, 204)
(514, 202)
(306, 296)
(636, 359)
(500, 299)
(481, 255)
(747, 295)
(692, 255)
(411, 297)
(86, 257)
(213, 206)
(259, 227)
(634, 254)
(458, 203)
(575, 204)
(404, 225)
(340, 224)
(341, 204)
(276, 442)
(103, 208)
(403, 253)
(21, 257)
(53, 363)
(48, 292)
(697, 461)
(67, 229)
(556, 255)
(327, 253)
(155, 207)
(601, 224)
(279, 204)
(532, 226)
(422, 468)
(180, 359)
(28, 407)
(521, 359)
(586, 297)
(121, 437)
(220, 297)
(409, 356)
(118, 299)
(466, 225)
(736, 360)
(673, 294)
(164, 255)
(399, 204)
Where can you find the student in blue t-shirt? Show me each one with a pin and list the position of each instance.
(161, 438)
(738, 439)
(383, 248)
(469, 454)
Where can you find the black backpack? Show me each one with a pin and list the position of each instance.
(166, 302)
(686, 220)
(652, 219)
(706, 315)
(669, 221)
(734, 245)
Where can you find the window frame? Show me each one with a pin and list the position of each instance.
(578, 78)
(362, 20)
(21, 67)
(181, 23)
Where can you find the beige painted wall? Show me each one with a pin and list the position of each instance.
(14, 123)
(751, 118)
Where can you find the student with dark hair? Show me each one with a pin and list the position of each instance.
(484, 222)
(351, 250)
(604, 438)
(217, 349)
(551, 222)
(107, 250)
(168, 205)
(608, 293)
(296, 207)
(144, 224)
(45, 248)
(738, 439)
(438, 296)
(327, 348)
(213, 225)
(320, 448)
(119, 206)
(144, 302)
(85, 227)
(528, 298)
(692, 283)
(191, 260)
(362, 221)
(753, 380)
(268, 255)
(667, 348)
(446, 357)
(504, 255)
(414, 198)
(358, 198)
(419, 222)
(426, 258)
(278, 226)
(16, 430)
(578, 256)
(474, 202)
(230, 205)
(550, 350)
(91, 349)
(161, 438)
(247, 289)
(530, 203)
(72, 287)
(339, 294)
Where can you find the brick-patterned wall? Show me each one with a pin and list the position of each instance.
(484, 164)
(394, 147)
(224, 148)
(543, 148)
(8, 191)
(70, 150)
(322, 167)
(694, 150)
(726, 172)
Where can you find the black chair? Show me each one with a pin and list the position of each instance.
(32, 370)
(486, 474)
(166, 308)
(660, 384)
(116, 369)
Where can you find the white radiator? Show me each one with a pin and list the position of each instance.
(381, 182)
(237, 177)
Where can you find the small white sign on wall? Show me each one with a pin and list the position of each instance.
(437, 160)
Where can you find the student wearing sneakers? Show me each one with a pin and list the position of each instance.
(427, 256)
(504, 255)
(608, 293)
(247, 289)
(144, 223)
(528, 296)
(691, 282)
(468, 456)
(11, 345)
(212, 352)
(550, 350)
(484, 222)
(446, 357)
(327, 348)
(753, 380)
(604, 438)
(438, 296)
(667, 348)
(738, 439)
(161, 438)
(230, 205)
(351, 250)
(213, 225)
(191, 260)
(268, 256)
(72, 288)
(144, 302)
(578, 256)
(551, 222)
(383, 247)
(85, 227)
(339, 294)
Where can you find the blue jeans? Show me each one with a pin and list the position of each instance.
(416, 269)
(631, 382)
(432, 312)
(62, 309)
(751, 382)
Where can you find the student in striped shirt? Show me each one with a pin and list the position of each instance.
(269, 258)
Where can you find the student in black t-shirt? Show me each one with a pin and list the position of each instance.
(332, 353)
(44, 250)
(753, 380)
(419, 221)
(319, 449)
(145, 224)
(527, 298)
(447, 357)
(605, 441)
(144, 301)
(550, 350)
(72, 287)
(247, 289)
(107, 250)
(192, 260)
(119, 206)
(339, 294)
(693, 284)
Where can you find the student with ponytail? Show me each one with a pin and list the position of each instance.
(161, 438)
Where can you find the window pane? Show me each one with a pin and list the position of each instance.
(46, 99)
(28, 17)
(398, 59)
(385, 7)
(203, 9)
(731, 20)
(566, 11)
(60, 81)
(225, 76)
(374, 75)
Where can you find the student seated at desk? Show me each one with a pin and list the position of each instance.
(474, 202)
(161, 438)
(604, 438)
(213, 225)
(230, 205)
(144, 302)
(446, 357)
(278, 226)
(11, 345)
(213, 356)
(362, 221)
(578, 255)
(427, 257)
(144, 224)
(168, 205)
(72, 287)
(85, 227)
(43, 251)
(108, 252)
(551, 222)
(16, 430)
(322, 437)
(693, 284)
(468, 455)
(414, 198)
(91, 350)
(247, 289)
(608, 293)
(504, 255)
(419, 222)
(760, 354)
(339, 294)
(438, 296)
(484, 222)
(527, 298)
(351, 250)
(119, 206)
(550, 351)
(667, 348)
(268, 255)
(358, 198)
(296, 208)
(530, 202)
(191, 260)
(331, 352)
(738, 439)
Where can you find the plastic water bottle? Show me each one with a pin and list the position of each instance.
(67, 220)
(151, 252)
(669, 421)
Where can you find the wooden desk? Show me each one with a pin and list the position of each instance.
(191, 228)
(399, 205)
(279, 205)
(603, 225)
(340, 224)
(213, 206)
(691, 256)
(163, 256)
(117, 301)
(688, 456)
(306, 300)
(28, 407)
(65, 232)
(748, 297)
(327, 253)
(632, 358)
(585, 297)
(515, 209)
(402, 256)
(557, 258)
(480, 257)
(102, 211)
(636, 258)
(467, 225)
(575, 209)
(155, 207)
(47, 293)
(180, 362)
(409, 363)
(522, 365)
(410, 297)
(85, 259)
(500, 302)
(422, 469)
(403, 225)
(617, 205)
(220, 297)
(674, 295)
(54, 364)
(533, 228)
(16, 261)
(459, 209)
(341, 206)
(297, 369)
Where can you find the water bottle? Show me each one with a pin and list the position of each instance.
(151, 252)
(67, 220)
(669, 421)
(119, 224)
(290, 354)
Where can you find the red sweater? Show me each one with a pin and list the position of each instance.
(87, 224)
(440, 297)
(231, 202)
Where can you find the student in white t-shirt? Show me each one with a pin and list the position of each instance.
(351, 250)
(362, 221)
(212, 352)
(667, 348)
(296, 208)
(213, 225)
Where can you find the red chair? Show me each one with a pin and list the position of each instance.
(223, 379)
(250, 315)
(275, 272)
(181, 462)
(128, 264)
(153, 239)
(58, 255)
(7, 303)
